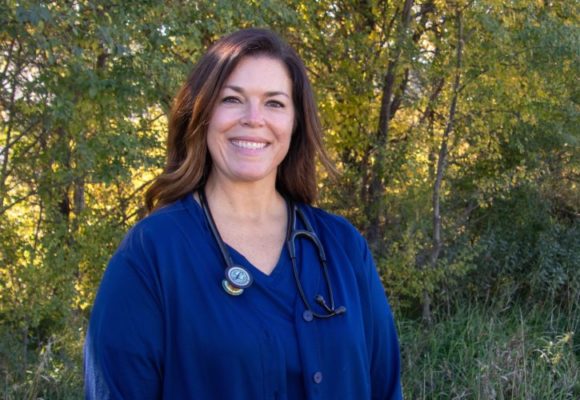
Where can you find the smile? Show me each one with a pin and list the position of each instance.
(249, 145)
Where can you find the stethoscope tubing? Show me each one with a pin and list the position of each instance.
(238, 278)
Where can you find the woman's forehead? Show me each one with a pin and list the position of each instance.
(264, 73)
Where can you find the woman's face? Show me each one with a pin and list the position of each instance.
(251, 125)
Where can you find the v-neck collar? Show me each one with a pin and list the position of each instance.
(277, 274)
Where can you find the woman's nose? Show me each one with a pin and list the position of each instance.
(253, 116)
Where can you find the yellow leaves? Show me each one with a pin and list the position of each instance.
(556, 351)
(84, 297)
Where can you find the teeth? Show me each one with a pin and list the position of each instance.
(249, 145)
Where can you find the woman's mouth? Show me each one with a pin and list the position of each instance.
(251, 145)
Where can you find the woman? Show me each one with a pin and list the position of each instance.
(234, 287)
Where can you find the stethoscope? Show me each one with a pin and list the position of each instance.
(238, 278)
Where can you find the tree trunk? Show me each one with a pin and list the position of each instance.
(5, 151)
(375, 208)
(437, 241)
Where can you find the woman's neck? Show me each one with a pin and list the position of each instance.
(255, 201)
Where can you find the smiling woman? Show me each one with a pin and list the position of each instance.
(235, 286)
(250, 129)
(188, 163)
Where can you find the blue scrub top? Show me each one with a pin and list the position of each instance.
(162, 327)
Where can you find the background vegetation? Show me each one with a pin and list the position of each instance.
(454, 125)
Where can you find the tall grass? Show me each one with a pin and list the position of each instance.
(472, 352)
(483, 352)
(55, 372)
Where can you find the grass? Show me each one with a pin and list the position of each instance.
(474, 352)
(486, 353)
(54, 372)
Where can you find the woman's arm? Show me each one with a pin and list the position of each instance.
(385, 353)
(123, 348)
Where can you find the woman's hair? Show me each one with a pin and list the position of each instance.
(188, 159)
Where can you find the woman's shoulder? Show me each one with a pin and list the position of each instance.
(163, 225)
(168, 213)
(339, 234)
(326, 217)
(337, 226)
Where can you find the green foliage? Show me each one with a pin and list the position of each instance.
(86, 87)
(407, 284)
(492, 353)
(527, 250)
(53, 372)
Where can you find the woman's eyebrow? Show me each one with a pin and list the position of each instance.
(268, 94)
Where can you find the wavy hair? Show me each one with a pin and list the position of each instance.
(188, 159)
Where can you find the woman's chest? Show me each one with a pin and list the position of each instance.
(262, 336)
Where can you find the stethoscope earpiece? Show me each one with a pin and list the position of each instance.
(340, 310)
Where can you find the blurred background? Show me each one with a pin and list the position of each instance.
(454, 125)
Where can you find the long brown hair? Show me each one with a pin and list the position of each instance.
(188, 159)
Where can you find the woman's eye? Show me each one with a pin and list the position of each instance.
(275, 104)
(230, 99)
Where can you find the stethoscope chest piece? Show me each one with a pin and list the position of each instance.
(231, 289)
(237, 279)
